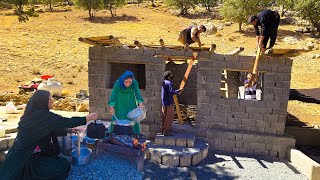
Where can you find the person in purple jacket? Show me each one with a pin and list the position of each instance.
(167, 93)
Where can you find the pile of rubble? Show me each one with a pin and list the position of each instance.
(63, 104)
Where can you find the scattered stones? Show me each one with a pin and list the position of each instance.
(288, 20)
(211, 29)
(309, 45)
(315, 56)
(290, 40)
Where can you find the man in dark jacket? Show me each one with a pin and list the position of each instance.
(269, 22)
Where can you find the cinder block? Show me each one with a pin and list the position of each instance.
(243, 128)
(261, 153)
(238, 109)
(284, 69)
(196, 158)
(234, 121)
(229, 143)
(247, 103)
(241, 115)
(185, 161)
(170, 142)
(155, 158)
(261, 124)
(258, 146)
(248, 122)
(190, 143)
(159, 141)
(170, 160)
(181, 142)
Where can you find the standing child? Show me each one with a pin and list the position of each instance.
(167, 93)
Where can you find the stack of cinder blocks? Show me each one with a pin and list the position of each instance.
(244, 126)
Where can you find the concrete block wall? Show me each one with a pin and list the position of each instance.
(229, 124)
(189, 95)
(101, 79)
(264, 120)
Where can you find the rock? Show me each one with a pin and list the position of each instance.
(290, 40)
(301, 30)
(315, 56)
(309, 45)
(83, 107)
(288, 20)
(228, 23)
(211, 29)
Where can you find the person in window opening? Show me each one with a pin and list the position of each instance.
(167, 93)
(269, 22)
(125, 97)
(250, 85)
(191, 35)
(34, 154)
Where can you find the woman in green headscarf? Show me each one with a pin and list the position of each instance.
(33, 156)
(125, 97)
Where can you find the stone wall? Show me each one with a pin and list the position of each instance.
(228, 124)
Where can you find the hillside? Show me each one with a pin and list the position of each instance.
(49, 44)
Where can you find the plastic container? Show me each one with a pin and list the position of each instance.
(51, 85)
(241, 92)
(258, 94)
(10, 108)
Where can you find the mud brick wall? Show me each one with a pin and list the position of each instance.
(245, 126)
(189, 95)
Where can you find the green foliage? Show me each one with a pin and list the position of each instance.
(182, 5)
(309, 10)
(19, 4)
(91, 6)
(239, 10)
(112, 5)
(208, 3)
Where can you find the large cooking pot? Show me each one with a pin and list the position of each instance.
(96, 130)
(123, 127)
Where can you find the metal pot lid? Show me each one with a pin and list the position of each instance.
(123, 122)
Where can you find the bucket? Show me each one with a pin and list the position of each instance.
(83, 159)
(241, 92)
(258, 94)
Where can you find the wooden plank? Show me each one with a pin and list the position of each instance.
(116, 41)
(182, 84)
(255, 66)
(84, 40)
(173, 57)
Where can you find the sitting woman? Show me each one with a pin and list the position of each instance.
(250, 85)
(124, 97)
(33, 155)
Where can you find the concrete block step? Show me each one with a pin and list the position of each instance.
(178, 155)
(176, 139)
(7, 141)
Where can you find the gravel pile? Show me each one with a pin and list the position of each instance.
(106, 166)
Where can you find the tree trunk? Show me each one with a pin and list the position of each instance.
(50, 5)
(282, 10)
(240, 25)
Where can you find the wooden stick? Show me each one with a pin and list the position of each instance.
(255, 66)
(183, 82)
(236, 51)
(88, 41)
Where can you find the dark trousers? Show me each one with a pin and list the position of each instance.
(272, 32)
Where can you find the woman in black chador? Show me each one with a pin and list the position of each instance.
(34, 154)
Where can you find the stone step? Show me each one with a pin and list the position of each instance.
(176, 139)
(178, 155)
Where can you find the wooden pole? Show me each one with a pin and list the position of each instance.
(255, 66)
(212, 48)
(162, 44)
(81, 39)
(115, 41)
(138, 44)
(183, 82)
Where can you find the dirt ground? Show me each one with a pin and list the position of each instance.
(49, 44)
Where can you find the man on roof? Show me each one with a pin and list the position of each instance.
(191, 35)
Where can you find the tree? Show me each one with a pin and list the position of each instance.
(239, 10)
(153, 5)
(208, 3)
(18, 5)
(182, 5)
(50, 3)
(91, 5)
(285, 5)
(309, 10)
(111, 5)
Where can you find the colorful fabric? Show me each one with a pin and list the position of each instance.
(123, 77)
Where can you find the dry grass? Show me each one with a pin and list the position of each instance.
(49, 44)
